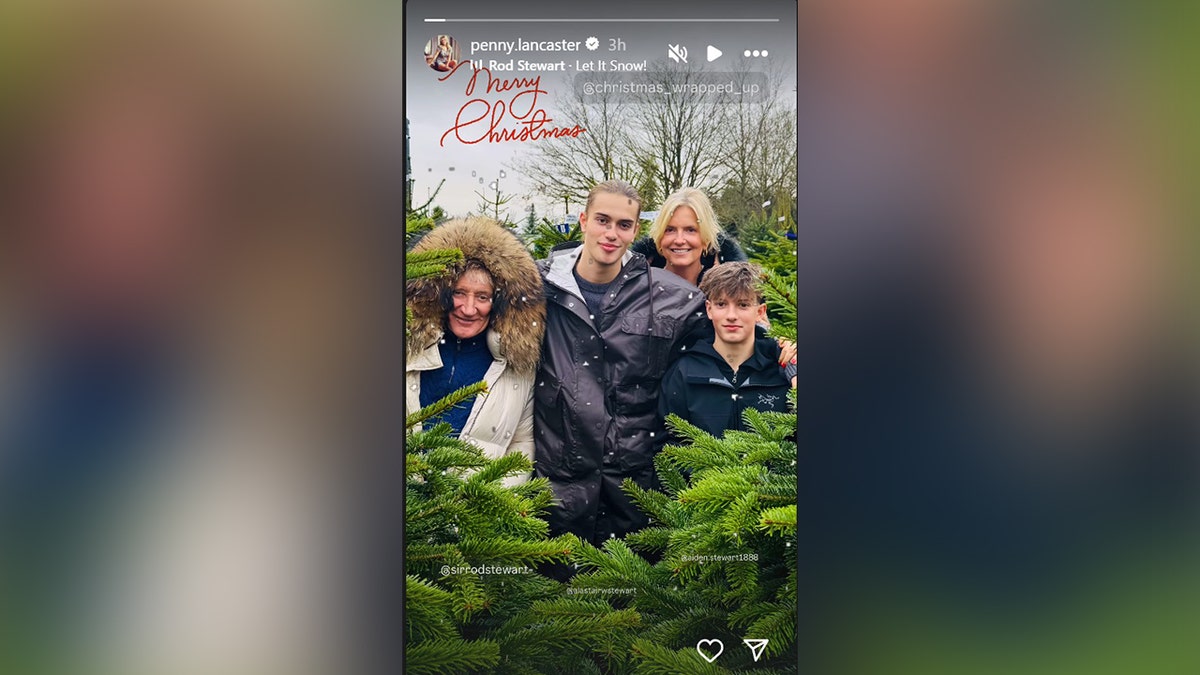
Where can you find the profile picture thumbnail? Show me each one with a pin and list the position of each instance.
(442, 53)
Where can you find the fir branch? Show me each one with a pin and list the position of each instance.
(430, 263)
(690, 624)
(506, 551)
(511, 464)
(742, 515)
(777, 488)
(534, 489)
(414, 464)
(779, 520)
(458, 458)
(787, 592)
(778, 626)
(655, 659)
(439, 435)
(703, 454)
(468, 593)
(691, 436)
(426, 553)
(556, 643)
(625, 562)
(749, 613)
(571, 607)
(780, 295)
(496, 504)
(721, 487)
(416, 511)
(588, 556)
(743, 580)
(436, 657)
(439, 407)
(427, 611)
(771, 426)
(669, 476)
(772, 454)
(690, 539)
(649, 539)
(651, 502)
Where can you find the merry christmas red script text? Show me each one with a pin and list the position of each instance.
(481, 120)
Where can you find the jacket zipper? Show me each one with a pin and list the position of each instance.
(457, 354)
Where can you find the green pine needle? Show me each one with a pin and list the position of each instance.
(444, 405)
(437, 657)
(430, 263)
(779, 520)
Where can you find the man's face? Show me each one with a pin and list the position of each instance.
(609, 226)
(733, 320)
(473, 295)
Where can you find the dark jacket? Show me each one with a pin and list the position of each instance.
(727, 251)
(596, 391)
(703, 389)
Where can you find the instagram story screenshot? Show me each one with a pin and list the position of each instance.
(843, 337)
(600, 468)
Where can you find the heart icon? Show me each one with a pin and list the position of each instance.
(707, 644)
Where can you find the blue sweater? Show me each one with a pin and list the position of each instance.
(464, 362)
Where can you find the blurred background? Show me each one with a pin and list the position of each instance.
(997, 240)
(194, 311)
(998, 405)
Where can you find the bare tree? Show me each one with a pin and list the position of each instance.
(567, 168)
(760, 159)
(672, 134)
(685, 134)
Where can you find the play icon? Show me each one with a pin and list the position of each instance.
(713, 53)
(756, 646)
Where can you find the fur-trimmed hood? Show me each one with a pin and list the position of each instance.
(520, 321)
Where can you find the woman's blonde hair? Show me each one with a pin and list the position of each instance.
(706, 217)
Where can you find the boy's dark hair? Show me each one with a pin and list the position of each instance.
(732, 281)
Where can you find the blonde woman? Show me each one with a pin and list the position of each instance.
(443, 55)
(687, 241)
(686, 238)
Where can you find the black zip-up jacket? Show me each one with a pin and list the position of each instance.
(596, 391)
(703, 389)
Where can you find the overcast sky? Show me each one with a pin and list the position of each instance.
(432, 105)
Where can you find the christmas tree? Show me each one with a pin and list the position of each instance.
(474, 601)
(543, 236)
(718, 561)
(723, 533)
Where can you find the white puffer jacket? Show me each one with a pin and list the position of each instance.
(501, 420)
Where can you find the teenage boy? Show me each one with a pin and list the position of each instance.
(714, 382)
(613, 325)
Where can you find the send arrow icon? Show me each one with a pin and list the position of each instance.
(756, 646)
